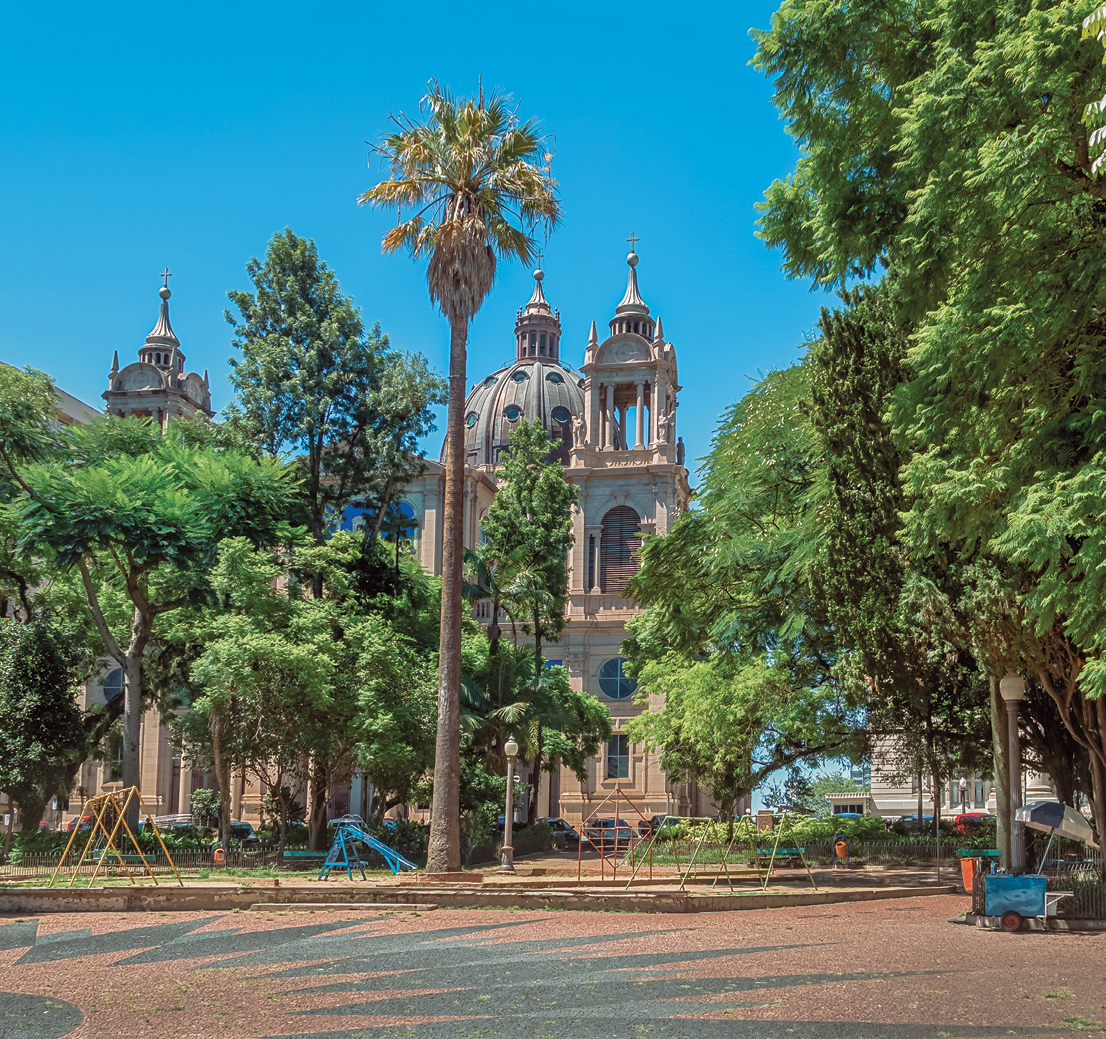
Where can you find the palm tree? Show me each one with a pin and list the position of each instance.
(478, 183)
(510, 584)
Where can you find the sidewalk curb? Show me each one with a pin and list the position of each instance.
(191, 899)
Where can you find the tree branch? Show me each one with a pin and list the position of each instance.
(97, 615)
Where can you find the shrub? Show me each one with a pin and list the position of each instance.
(36, 842)
(205, 807)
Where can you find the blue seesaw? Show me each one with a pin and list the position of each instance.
(343, 852)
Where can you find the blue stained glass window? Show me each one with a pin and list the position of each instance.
(614, 682)
(512, 412)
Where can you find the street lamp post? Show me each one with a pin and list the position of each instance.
(1012, 689)
(507, 864)
(963, 794)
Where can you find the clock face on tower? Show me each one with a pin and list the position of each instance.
(143, 379)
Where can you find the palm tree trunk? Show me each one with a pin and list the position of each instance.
(444, 851)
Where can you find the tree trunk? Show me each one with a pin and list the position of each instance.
(937, 781)
(11, 828)
(132, 702)
(317, 798)
(444, 851)
(283, 820)
(999, 750)
(1096, 709)
(222, 777)
(535, 781)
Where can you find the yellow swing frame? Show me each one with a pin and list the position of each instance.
(100, 807)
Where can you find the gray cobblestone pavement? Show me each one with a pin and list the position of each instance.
(879, 969)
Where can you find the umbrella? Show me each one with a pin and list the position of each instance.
(1057, 818)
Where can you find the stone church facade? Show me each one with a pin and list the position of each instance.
(616, 420)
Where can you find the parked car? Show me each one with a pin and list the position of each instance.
(563, 833)
(969, 822)
(242, 833)
(84, 820)
(609, 834)
(649, 826)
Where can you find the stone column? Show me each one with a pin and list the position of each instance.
(595, 532)
(608, 439)
(640, 417)
(184, 791)
(622, 427)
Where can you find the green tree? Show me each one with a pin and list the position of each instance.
(946, 141)
(312, 683)
(149, 510)
(809, 792)
(531, 515)
(477, 183)
(728, 723)
(312, 384)
(42, 735)
(510, 693)
(27, 408)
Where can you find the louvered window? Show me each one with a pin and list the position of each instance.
(618, 549)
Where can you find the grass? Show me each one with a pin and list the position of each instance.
(1078, 1024)
(1057, 993)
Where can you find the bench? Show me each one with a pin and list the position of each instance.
(782, 853)
(114, 859)
(305, 855)
(977, 853)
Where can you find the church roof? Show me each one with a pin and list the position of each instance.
(529, 389)
(163, 334)
(538, 385)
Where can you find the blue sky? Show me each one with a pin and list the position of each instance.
(139, 136)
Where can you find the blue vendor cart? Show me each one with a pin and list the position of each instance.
(1008, 899)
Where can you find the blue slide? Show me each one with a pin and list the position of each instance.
(343, 852)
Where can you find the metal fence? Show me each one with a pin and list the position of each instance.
(40, 864)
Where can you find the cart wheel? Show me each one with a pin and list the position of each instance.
(1011, 921)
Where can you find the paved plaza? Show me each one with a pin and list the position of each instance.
(895, 969)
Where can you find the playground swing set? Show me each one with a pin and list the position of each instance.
(106, 810)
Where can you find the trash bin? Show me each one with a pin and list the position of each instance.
(967, 869)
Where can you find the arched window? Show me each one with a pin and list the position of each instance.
(113, 684)
(614, 682)
(618, 550)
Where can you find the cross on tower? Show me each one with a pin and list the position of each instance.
(540, 255)
(166, 275)
(633, 239)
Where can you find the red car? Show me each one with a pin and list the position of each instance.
(85, 821)
(969, 822)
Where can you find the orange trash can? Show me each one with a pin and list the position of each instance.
(967, 870)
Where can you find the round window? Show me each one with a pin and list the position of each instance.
(581, 384)
(520, 376)
(614, 682)
(561, 415)
(113, 684)
(512, 412)
(470, 419)
(555, 377)
(490, 380)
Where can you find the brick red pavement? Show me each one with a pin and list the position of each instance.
(876, 969)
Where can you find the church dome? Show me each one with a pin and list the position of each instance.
(536, 386)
